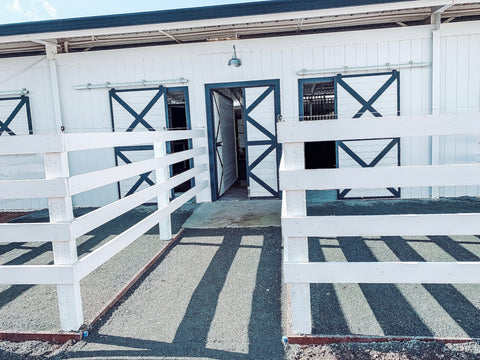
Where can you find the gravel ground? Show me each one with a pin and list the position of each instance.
(394, 350)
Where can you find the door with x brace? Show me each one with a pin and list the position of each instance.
(137, 110)
(261, 111)
(368, 96)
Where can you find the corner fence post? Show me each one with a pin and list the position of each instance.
(296, 248)
(60, 210)
(161, 175)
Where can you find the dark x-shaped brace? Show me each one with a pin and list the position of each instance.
(368, 106)
(4, 126)
(139, 118)
(119, 152)
(271, 142)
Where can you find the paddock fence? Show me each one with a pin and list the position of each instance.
(63, 228)
(297, 227)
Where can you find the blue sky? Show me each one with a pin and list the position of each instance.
(14, 11)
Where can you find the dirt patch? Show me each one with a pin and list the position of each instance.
(393, 350)
(7, 216)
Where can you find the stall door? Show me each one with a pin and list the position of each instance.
(225, 142)
(260, 117)
(137, 110)
(368, 96)
(15, 119)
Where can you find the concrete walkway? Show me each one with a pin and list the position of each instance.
(215, 295)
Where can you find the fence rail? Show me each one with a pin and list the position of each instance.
(63, 229)
(297, 226)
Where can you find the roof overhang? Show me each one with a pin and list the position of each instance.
(267, 18)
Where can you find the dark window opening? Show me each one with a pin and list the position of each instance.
(319, 104)
(177, 120)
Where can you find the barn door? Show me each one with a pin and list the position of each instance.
(225, 142)
(15, 118)
(260, 117)
(137, 110)
(364, 96)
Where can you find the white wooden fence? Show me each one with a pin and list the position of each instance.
(297, 226)
(63, 229)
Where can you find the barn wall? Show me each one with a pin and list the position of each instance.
(459, 92)
(272, 58)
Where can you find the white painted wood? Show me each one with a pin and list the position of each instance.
(223, 115)
(34, 232)
(86, 141)
(64, 252)
(435, 102)
(403, 176)
(384, 272)
(93, 219)
(92, 180)
(163, 198)
(382, 225)
(30, 144)
(335, 11)
(37, 274)
(93, 260)
(411, 125)
(27, 189)
(294, 203)
(51, 50)
(264, 115)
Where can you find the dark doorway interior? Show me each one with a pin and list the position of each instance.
(319, 104)
(177, 120)
(230, 142)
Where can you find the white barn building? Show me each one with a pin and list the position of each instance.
(304, 60)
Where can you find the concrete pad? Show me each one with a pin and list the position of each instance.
(236, 214)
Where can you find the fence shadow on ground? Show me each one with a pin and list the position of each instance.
(190, 340)
(394, 312)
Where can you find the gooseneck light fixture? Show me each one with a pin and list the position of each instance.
(234, 61)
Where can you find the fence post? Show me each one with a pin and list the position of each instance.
(296, 248)
(162, 175)
(64, 252)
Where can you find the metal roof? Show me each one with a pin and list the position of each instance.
(223, 22)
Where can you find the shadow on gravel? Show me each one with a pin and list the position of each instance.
(393, 312)
(96, 238)
(190, 341)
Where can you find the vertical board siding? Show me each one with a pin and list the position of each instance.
(460, 92)
(223, 115)
(271, 58)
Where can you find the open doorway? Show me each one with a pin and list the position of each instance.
(230, 139)
(243, 149)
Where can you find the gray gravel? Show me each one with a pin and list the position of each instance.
(394, 350)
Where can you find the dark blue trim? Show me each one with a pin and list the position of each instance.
(259, 99)
(178, 15)
(211, 126)
(139, 118)
(264, 184)
(301, 82)
(258, 160)
(24, 101)
(134, 148)
(367, 105)
(259, 142)
(29, 114)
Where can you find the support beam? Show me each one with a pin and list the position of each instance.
(51, 50)
(170, 36)
(64, 252)
(296, 247)
(161, 175)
